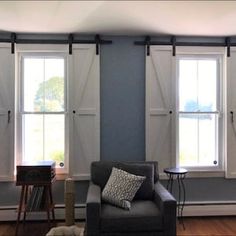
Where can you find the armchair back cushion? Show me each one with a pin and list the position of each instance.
(101, 170)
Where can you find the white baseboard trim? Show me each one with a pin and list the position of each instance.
(9, 213)
(209, 208)
(217, 208)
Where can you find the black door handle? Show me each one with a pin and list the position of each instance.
(8, 116)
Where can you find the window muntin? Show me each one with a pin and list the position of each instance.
(43, 108)
(198, 112)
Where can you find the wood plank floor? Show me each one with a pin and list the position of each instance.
(32, 228)
(202, 226)
(194, 226)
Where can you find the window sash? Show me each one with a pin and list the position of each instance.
(42, 135)
(21, 112)
(45, 55)
(218, 111)
(198, 126)
(218, 59)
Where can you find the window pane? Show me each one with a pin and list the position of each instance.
(44, 137)
(33, 80)
(207, 86)
(54, 138)
(43, 84)
(197, 139)
(54, 85)
(197, 85)
(33, 137)
(188, 85)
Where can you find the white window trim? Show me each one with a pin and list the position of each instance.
(220, 55)
(37, 50)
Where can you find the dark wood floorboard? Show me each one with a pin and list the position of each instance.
(194, 226)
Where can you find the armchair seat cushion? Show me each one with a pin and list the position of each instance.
(143, 216)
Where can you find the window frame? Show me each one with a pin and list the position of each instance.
(20, 103)
(219, 56)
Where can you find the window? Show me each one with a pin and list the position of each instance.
(199, 112)
(43, 107)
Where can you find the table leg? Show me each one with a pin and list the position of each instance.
(51, 202)
(181, 203)
(25, 201)
(184, 194)
(47, 196)
(170, 183)
(20, 208)
(179, 207)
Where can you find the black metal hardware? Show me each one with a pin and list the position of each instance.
(193, 44)
(97, 40)
(70, 39)
(170, 112)
(215, 162)
(13, 40)
(42, 41)
(74, 111)
(188, 43)
(101, 41)
(227, 42)
(148, 39)
(232, 116)
(8, 116)
(173, 40)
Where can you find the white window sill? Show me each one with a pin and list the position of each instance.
(61, 176)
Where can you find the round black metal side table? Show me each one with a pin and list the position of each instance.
(179, 174)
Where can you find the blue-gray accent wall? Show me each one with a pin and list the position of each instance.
(122, 100)
(123, 125)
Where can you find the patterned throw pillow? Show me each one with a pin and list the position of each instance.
(121, 188)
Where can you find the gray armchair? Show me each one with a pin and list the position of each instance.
(153, 210)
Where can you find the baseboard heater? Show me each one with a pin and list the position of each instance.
(9, 213)
(210, 208)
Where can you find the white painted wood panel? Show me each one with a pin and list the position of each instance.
(230, 164)
(7, 70)
(158, 106)
(85, 102)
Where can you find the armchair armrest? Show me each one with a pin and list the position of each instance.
(167, 205)
(93, 209)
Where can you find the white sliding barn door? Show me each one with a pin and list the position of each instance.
(158, 106)
(231, 117)
(85, 106)
(7, 71)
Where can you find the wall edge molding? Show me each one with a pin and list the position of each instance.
(207, 208)
(9, 213)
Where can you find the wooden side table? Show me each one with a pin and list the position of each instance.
(179, 174)
(36, 189)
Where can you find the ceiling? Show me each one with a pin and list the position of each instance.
(197, 18)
